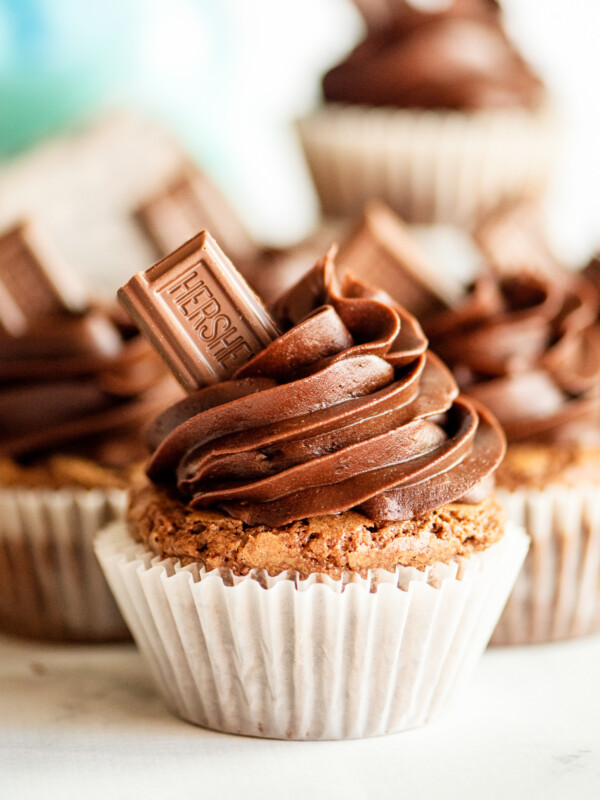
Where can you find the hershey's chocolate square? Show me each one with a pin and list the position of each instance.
(199, 313)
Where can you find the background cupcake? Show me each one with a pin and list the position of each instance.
(523, 339)
(528, 345)
(434, 112)
(77, 385)
(318, 554)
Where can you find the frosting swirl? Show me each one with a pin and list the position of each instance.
(83, 383)
(457, 57)
(345, 410)
(527, 346)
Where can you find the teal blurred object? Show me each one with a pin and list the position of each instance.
(186, 57)
(58, 60)
(62, 61)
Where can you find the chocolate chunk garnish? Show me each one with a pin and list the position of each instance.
(199, 313)
(382, 252)
(512, 238)
(188, 204)
(34, 281)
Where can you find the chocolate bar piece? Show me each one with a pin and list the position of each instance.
(199, 313)
(512, 238)
(382, 252)
(188, 204)
(34, 281)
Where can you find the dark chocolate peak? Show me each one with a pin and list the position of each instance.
(528, 346)
(458, 57)
(346, 409)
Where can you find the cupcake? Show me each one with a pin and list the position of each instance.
(528, 346)
(434, 112)
(77, 385)
(317, 552)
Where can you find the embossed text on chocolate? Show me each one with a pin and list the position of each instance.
(206, 315)
(198, 312)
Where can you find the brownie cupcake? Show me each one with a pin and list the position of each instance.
(434, 112)
(317, 553)
(528, 346)
(77, 385)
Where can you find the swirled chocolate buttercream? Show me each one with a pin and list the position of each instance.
(79, 383)
(528, 346)
(455, 56)
(346, 409)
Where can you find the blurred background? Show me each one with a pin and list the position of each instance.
(228, 78)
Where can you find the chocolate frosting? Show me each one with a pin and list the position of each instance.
(83, 384)
(528, 346)
(455, 58)
(345, 410)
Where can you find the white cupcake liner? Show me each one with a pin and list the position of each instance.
(557, 594)
(51, 585)
(309, 659)
(430, 166)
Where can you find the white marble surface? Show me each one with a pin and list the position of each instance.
(85, 722)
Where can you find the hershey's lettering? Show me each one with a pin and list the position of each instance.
(195, 301)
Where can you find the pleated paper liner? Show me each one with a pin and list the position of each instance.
(430, 166)
(309, 659)
(51, 585)
(557, 594)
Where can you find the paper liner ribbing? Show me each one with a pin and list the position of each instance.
(309, 659)
(51, 585)
(430, 166)
(557, 594)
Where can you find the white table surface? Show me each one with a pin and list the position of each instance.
(85, 722)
